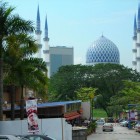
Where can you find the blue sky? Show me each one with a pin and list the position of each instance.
(78, 23)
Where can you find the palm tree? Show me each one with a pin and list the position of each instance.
(9, 25)
(16, 49)
(31, 73)
(24, 70)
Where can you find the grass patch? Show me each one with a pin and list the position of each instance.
(99, 113)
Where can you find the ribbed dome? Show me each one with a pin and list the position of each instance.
(102, 51)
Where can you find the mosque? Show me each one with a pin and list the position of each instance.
(105, 51)
(102, 50)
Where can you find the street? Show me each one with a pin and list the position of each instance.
(119, 133)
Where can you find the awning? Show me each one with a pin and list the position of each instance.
(72, 115)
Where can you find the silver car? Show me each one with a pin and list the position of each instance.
(108, 127)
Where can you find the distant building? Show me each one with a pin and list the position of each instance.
(102, 50)
(60, 56)
(54, 57)
(136, 42)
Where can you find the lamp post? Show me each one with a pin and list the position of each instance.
(91, 95)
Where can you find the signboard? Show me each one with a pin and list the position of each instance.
(32, 118)
(132, 115)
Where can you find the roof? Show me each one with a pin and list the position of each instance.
(48, 104)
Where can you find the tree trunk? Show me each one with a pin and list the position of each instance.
(12, 95)
(22, 105)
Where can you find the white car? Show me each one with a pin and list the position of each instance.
(100, 122)
(108, 127)
(124, 123)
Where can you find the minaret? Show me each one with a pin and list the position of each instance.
(38, 34)
(138, 41)
(46, 51)
(134, 50)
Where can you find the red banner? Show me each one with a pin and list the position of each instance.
(32, 118)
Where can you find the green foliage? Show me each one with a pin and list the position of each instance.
(21, 68)
(85, 94)
(108, 79)
(91, 127)
(10, 25)
(99, 113)
(67, 80)
(130, 94)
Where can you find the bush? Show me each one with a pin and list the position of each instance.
(91, 127)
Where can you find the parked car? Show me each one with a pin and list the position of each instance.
(110, 120)
(121, 120)
(100, 122)
(108, 127)
(9, 137)
(136, 127)
(38, 137)
(124, 123)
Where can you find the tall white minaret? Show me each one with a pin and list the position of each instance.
(38, 35)
(134, 50)
(46, 51)
(138, 41)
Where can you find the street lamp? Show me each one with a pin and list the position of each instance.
(91, 95)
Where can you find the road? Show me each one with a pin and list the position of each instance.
(119, 133)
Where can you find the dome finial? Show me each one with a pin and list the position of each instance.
(102, 34)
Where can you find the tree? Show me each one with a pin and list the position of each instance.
(67, 80)
(87, 94)
(108, 78)
(9, 25)
(23, 70)
(130, 94)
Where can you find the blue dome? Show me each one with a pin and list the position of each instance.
(102, 51)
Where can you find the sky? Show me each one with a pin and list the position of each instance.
(78, 23)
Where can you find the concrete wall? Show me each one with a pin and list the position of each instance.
(86, 110)
(57, 128)
(79, 134)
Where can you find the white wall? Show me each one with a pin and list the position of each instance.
(86, 110)
(57, 128)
